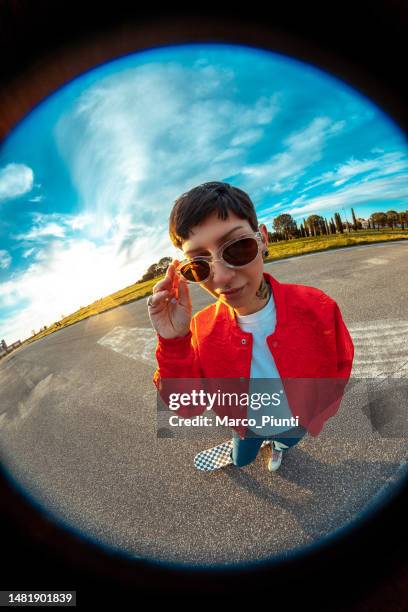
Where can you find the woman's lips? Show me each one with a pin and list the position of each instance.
(234, 292)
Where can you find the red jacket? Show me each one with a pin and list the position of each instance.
(310, 342)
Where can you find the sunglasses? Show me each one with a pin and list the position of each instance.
(235, 253)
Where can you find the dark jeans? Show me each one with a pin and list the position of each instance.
(245, 451)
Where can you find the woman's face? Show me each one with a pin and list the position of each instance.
(204, 240)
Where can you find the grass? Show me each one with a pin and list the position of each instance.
(277, 250)
(301, 246)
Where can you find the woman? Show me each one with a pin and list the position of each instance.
(258, 328)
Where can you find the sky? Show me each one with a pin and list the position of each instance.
(89, 177)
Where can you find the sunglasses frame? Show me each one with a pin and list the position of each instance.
(208, 258)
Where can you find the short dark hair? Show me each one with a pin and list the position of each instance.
(192, 207)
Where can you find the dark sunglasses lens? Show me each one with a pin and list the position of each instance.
(196, 271)
(241, 252)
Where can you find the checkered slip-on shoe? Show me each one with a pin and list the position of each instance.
(216, 457)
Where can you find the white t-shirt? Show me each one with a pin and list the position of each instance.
(261, 324)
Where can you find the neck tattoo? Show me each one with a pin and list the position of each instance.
(263, 290)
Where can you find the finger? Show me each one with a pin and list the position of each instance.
(183, 296)
(171, 272)
(159, 297)
(166, 282)
(175, 277)
(172, 267)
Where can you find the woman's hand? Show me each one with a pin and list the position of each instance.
(170, 308)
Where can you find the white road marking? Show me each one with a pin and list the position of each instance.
(375, 261)
(138, 343)
(380, 348)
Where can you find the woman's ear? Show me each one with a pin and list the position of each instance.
(264, 233)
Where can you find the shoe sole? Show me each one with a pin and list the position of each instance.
(273, 468)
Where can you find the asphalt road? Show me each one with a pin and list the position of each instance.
(78, 430)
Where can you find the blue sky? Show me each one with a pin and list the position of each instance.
(88, 178)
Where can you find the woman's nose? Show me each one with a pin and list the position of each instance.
(221, 274)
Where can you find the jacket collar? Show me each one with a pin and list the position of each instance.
(280, 304)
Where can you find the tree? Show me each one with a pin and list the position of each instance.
(339, 223)
(146, 276)
(392, 218)
(156, 269)
(285, 224)
(379, 219)
(355, 223)
(163, 264)
(306, 227)
(153, 269)
(276, 237)
(314, 223)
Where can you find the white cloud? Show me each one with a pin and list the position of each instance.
(389, 163)
(35, 233)
(47, 226)
(365, 191)
(5, 259)
(228, 154)
(15, 180)
(79, 222)
(247, 137)
(74, 272)
(138, 139)
(284, 169)
(29, 252)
